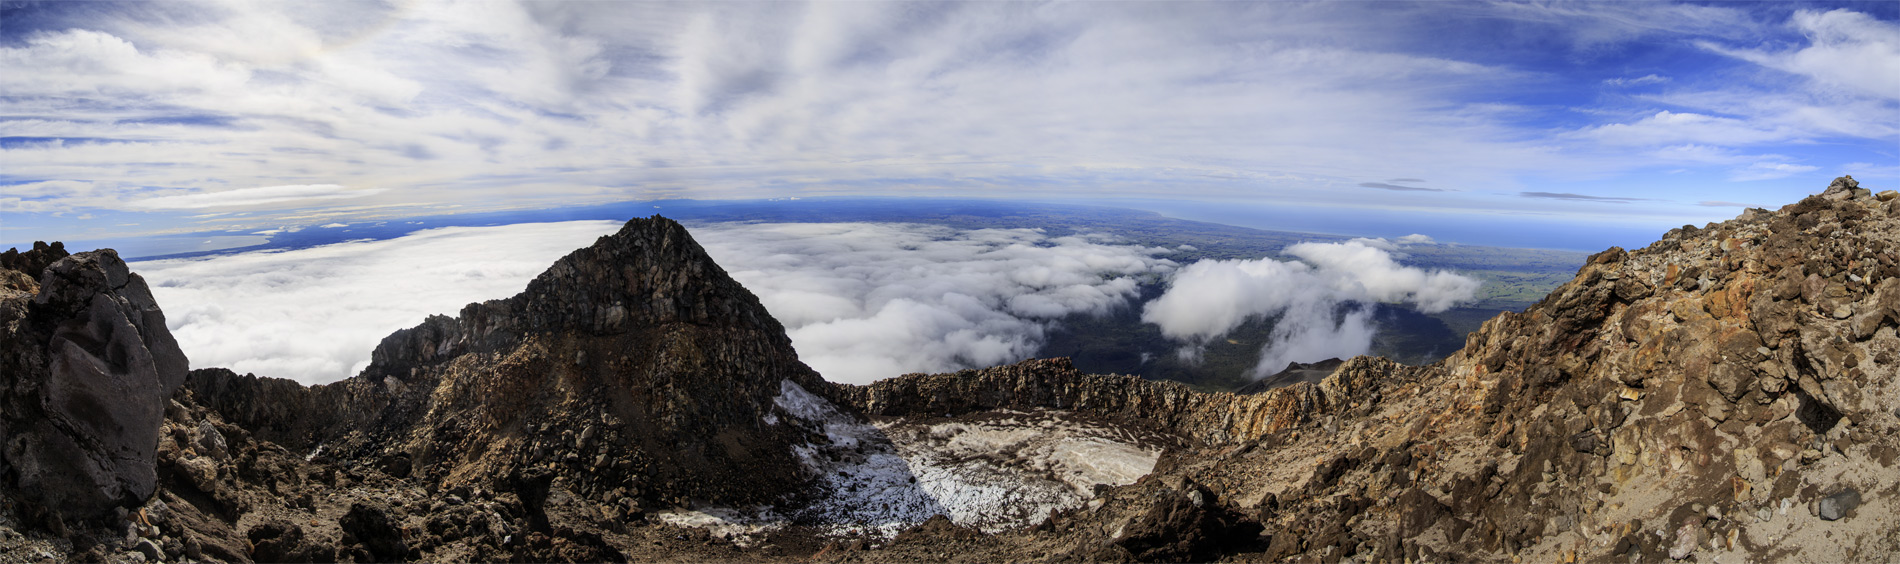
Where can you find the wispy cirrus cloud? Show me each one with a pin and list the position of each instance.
(255, 197)
(1578, 197)
(512, 104)
(1637, 81)
(1399, 187)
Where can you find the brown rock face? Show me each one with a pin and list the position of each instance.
(634, 366)
(1703, 386)
(87, 367)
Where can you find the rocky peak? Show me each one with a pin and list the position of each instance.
(649, 273)
(86, 368)
(635, 368)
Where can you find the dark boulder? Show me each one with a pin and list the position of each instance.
(85, 374)
(375, 532)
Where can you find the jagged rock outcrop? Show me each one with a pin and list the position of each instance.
(1726, 393)
(85, 366)
(35, 260)
(1213, 419)
(635, 368)
(1704, 397)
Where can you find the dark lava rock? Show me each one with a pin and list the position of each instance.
(85, 370)
(1186, 527)
(566, 545)
(372, 527)
(277, 541)
(34, 261)
(1835, 507)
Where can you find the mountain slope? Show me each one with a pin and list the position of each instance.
(635, 364)
(1727, 392)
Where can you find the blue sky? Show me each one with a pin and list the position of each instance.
(137, 119)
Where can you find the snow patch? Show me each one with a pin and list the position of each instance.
(994, 471)
(869, 489)
(741, 528)
(1011, 469)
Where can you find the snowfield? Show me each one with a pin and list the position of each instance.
(994, 471)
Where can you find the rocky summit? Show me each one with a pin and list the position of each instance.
(1726, 394)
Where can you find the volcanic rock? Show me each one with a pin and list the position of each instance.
(636, 404)
(1836, 506)
(86, 365)
(683, 365)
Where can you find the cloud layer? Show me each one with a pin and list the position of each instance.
(1317, 304)
(149, 110)
(869, 301)
(314, 315)
(861, 301)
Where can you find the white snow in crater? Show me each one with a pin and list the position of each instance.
(1006, 472)
(742, 528)
(994, 472)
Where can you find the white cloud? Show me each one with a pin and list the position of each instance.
(860, 301)
(255, 197)
(1377, 243)
(1316, 305)
(314, 315)
(1638, 81)
(1846, 50)
(1667, 127)
(1770, 171)
(1417, 239)
(863, 302)
(1357, 270)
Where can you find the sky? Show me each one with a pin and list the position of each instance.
(127, 120)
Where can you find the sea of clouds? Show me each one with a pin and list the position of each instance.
(1317, 303)
(865, 301)
(861, 301)
(313, 315)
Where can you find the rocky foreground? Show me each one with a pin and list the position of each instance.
(1726, 394)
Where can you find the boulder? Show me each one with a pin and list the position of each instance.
(83, 383)
(374, 529)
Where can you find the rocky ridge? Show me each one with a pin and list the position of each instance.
(1724, 394)
(635, 367)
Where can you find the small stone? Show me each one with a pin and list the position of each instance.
(1843, 311)
(202, 472)
(1835, 507)
(150, 550)
(1630, 394)
(1764, 514)
(1888, 195)
(1686, 539)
